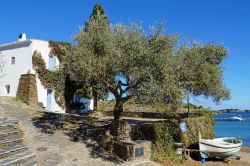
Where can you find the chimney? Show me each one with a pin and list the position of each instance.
(22, 37)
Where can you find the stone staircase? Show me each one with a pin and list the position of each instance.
(12, 151)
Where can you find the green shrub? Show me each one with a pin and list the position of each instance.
(195, 125)
(164, 134)
(163, 150)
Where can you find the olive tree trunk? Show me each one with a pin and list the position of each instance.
(118, 110)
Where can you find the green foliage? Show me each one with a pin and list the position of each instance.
(202, 112)
(195, 125)
(163, 136)
(54, 79)
(59, 80)
(128, 63)
(163, 148)
(143, 132)
(49, 79)
(98, 15)
(199, 70)
(59, 49)
(125, 61)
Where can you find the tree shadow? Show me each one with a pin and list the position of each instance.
(86, 129)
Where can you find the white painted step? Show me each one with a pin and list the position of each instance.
(19, 158)
(8, 121)
(13, 149)
(6, 132)
(5, 141)
(3, 124)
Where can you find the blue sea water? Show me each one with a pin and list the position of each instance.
(239, 129)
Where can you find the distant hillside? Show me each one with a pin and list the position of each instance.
(134, 105)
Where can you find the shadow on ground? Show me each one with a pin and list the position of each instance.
(86, 129)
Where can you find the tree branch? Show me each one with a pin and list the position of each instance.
(134, 86)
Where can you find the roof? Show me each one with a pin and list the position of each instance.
(19, 43)
(15, 43)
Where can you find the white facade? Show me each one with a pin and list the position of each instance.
(17, 58)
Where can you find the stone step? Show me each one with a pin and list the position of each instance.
(5, 143)
(2, 119)
(4, 134)
(19, 159)
(7, 126)
(32, 163)
(8, 121)
(11, 151)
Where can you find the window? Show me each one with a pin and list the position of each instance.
(13, 60)
(52, 63)
(7, 88)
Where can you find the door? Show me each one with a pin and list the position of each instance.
(49, 97)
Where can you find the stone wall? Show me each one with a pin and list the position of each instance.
(153, 115)
(27, 89)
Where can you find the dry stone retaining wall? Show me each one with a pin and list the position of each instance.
(27, 89)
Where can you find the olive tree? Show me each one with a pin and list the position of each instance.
(124, 60)
(200, 72)
(129, 63)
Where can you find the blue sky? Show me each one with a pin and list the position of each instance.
(223, 22)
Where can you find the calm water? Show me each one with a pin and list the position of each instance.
(240, 129)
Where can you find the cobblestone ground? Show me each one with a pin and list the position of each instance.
(56, 149)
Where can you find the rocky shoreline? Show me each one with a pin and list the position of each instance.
(232, 110)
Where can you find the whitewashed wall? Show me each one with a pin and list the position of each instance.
(44, 49)
(23, 51)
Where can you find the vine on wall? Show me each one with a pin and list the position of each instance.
(53, 79)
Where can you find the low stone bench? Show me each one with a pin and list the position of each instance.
(129, 150)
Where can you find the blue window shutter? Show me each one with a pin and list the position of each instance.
(52, 63)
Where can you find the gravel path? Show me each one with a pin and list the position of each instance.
(56, 149)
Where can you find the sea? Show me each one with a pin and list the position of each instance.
(239, 129)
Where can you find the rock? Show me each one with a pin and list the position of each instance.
(27, 89)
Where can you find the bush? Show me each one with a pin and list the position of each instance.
(163, 136)
(163, 150)
(195, 125)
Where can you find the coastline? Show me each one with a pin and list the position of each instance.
(233, 111)
(219, 112)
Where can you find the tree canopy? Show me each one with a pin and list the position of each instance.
(128, 62)
(200, 72)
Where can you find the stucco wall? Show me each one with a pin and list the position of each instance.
(12, 73)
(23, 51)
(44, 49)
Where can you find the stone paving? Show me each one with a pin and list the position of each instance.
(56, 149)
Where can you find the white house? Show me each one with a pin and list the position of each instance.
(17, 58)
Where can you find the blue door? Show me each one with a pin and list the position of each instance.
(49, 97)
